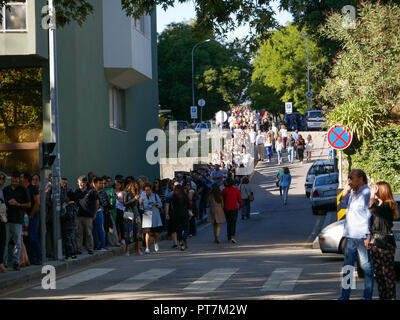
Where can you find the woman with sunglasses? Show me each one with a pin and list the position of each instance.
(381, 241)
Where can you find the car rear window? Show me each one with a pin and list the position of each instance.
(321, 181)
(321, 169)
(315, 114)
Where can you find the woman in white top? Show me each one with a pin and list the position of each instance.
(284, 134)
(309, 147)
(279, 149)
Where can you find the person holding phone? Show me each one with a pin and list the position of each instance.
(355, 199)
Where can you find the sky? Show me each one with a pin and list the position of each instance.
(185, 11)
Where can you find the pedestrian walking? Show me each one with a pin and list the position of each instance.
(17, 201)
(269, 146)
(382, 243)
(3, 221)
(260, 140)
(247, 197)
(178, 216)
(193, 197)
(300, 148)
(283, 133)
(279, 149)
(216, 215)
(150, 203)
(284, 181)
(232, 203)
(309, 147)
(290, 148)
(355, 199)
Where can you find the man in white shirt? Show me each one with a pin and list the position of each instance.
(260, 140)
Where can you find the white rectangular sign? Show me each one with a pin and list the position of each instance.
(288, 107)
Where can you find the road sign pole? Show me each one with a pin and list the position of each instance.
(340, 170)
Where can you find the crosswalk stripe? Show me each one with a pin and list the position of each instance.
(78, 278)
(212, 280)
(140, 280)
(283, 279)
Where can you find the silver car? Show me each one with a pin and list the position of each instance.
(324, 192)
(317, 168)
(315, 119)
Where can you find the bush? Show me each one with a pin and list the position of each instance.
(380, 157)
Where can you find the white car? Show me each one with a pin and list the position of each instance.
(318, 168)
(324, 192)
(315, 119)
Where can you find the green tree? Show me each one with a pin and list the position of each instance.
(264, 97)
(363, 88)
(222, 72)
(281, 64)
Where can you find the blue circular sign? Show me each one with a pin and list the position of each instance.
(309, 95)
(339, 137)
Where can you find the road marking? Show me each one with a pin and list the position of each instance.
(254, 213)
(283, 279)
(211, 280)
(79, 278)
(140, 280)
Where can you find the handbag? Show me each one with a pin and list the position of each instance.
(381, 240)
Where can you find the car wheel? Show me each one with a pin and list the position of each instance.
(360, 271)
(342, 246)
(315, 211)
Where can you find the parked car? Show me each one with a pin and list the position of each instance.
(300, 121)
(315, 119)
(324, 192)
(331, 240)
(202, 126)
(317, 168)
(182, 125)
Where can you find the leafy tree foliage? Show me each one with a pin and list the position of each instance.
(222, 72)
(281, 64)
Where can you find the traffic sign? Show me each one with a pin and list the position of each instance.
(288, 107)
(201, 102)
(193, 112)
(221, 117)
(309, 95)
(339, 137)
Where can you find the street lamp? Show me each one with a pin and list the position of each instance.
(194, 47)
(308, 73)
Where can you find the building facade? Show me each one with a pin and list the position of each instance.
(107, 90)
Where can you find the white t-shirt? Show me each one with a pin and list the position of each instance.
(283, 133)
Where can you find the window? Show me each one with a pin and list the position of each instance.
(322, 181)
(117, 108)
(13, 17)
(139, 24)
(321, 169)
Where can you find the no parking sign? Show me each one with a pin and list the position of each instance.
(339, 137)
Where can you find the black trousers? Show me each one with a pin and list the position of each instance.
(301, 154)
(120, 223)
(231, 219)
(68, 236)
(2, 240)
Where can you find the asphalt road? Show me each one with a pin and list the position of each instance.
(273, 258)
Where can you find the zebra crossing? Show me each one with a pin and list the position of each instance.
(282, 280)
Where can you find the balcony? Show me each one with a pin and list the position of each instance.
(20, 34)
(127, 46)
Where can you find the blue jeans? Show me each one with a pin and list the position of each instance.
(354, 246)
(269, 152)
(34, 249)
(291, 154)
(279, 155)
(245, 207)
(99, 237)
(14, 233)
(285, 193)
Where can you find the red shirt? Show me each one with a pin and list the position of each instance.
(232, 197)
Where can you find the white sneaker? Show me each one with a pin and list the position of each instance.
(156, 248)
(147, 251)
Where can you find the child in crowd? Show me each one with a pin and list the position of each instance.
(309, 147)
(279, 149)
(69, 225)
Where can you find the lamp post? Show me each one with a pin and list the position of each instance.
(194, 47)
(308, 73)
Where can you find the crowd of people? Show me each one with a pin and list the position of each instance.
(103, 212)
